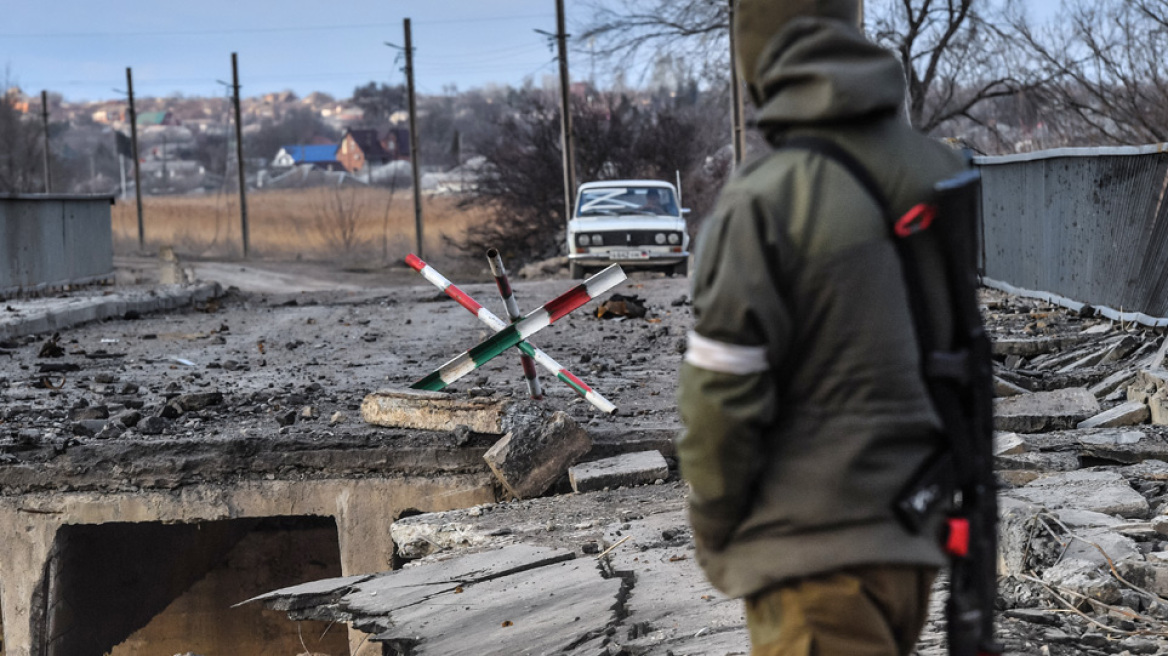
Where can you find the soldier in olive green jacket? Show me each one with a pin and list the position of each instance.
(804, 407)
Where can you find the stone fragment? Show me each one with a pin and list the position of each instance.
(1043, 411)
(1006, 388)
(434, 411)
(170, 410)
(1125, 414)
(1125, 446)
(91, 412)
(1100, 491)
(1146, 383)
(1024, 346)
(640, 468)
(337, 417)
(1116, 546)
(130, 418)
(536, 452)
(1113, 382)
(198, 400)
(1123, 348)
(1085, 578)
(1158, 407)
(309, 412)
(1008, 444)
(152, 425)
(286, 418)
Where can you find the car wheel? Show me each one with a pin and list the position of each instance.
(681, 269)
(576, 269)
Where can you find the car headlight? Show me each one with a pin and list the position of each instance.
(659, 238)
(597, 240)
(674, 238)
(582, 240)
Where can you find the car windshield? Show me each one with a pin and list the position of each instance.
(607, 201)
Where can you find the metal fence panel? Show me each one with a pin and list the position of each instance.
(50, 241)
(1090, 225)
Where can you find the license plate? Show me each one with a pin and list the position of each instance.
(628, 255)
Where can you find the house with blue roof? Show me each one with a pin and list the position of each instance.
(322, 157)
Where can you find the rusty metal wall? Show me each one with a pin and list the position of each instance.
(49, 241)
(1080, 225)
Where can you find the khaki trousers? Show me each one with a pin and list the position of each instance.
(863, 611)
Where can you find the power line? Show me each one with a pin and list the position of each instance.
(262, 30)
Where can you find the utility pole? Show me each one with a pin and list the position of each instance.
(134, 152)
(737, 135)
(45, 120)
(565, 114)
(413, 138)
(239, 154)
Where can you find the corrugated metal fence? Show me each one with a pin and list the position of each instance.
(49, 241)
(1080, 225)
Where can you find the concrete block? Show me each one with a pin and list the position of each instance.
(1146, 383)
(1008, 444)
(1158, 407)
(629, 469)
(1112, 383)
(1024, 346)
(1125, 414)
(1043, 411)
(1006, 388)
(1085, 578)
(535, 453)
(433, 411)
(1105, 492)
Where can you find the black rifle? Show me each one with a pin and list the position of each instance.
(959, 479)
(960, 381)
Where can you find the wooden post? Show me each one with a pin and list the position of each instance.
(565, 115)
(45, 121)
(737, 135)
(239, 155)
(414, 139)
(137, 162)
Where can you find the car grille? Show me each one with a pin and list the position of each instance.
(630, 237)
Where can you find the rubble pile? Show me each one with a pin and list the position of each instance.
(1081, 451)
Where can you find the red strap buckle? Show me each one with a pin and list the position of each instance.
(957, 542)
(919, 218)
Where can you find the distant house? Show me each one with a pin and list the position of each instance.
(146, 119)
(397, 142)
(322, 157)
(361, 147)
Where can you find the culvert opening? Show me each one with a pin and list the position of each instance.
(138, 589)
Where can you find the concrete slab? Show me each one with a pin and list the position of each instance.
(1125, 414)
(1113, 382)
(520, 599)
(640, 468)
(529, 459)
(40, 315)
(1044, 411)
(1099, 491)
(436, 411)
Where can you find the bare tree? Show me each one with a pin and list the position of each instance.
(20, 147)
(1107, 59)
(337, 216)
(958, 54)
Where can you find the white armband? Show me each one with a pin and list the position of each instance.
(724, 358)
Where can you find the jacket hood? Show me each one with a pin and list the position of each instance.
(818, 70)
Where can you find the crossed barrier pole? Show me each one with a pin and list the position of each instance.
(515, 334)
(508, 296)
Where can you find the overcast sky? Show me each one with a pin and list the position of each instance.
(81, 48)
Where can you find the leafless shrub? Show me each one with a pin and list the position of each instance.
(337, 217)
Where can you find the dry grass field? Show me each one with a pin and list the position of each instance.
(346, 225)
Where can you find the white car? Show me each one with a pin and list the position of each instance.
(633, 223)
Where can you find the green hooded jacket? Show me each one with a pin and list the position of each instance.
(804, 408)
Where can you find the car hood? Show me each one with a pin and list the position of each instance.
(626, 222)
